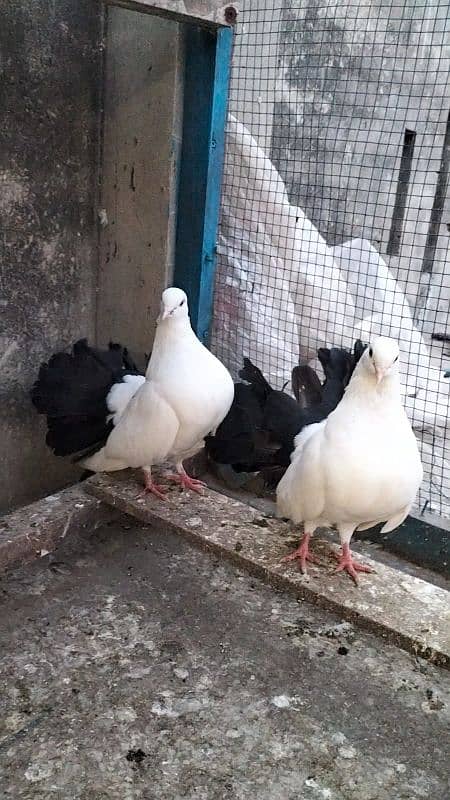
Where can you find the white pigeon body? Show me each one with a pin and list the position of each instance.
(361, 465)
(185, 395)
(200, 389)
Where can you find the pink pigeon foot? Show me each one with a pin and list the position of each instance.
(347, 564)
(186, 482)
(153, 488)
(302, 554)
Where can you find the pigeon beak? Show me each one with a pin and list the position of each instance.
(380, 373)
(164, 314)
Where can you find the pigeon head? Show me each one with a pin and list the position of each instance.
(174, 304)
(381, 357)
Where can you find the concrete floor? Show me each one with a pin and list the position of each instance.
(134, 666)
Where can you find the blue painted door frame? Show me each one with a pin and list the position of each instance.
(206, 84)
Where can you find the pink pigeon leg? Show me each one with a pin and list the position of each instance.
(151, 487)
(185, 481)
(302, 554)
(347, 564)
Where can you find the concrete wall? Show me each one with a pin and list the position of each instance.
(49, 102)
(352, 80)
(54, 288)
(141, 148)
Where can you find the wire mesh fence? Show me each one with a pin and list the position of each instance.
(335, 217)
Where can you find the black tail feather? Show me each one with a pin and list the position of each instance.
(259, 431)
(358, 350)
(306, 386)
(254, 376)
(71, 392)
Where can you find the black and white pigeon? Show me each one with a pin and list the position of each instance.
(258, 433)
(359, 467)
(99, 407)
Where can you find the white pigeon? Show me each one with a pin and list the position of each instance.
(359, 467)
(185, 395)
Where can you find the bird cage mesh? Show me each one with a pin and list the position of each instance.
(335, 205)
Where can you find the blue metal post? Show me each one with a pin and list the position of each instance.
(207, 75)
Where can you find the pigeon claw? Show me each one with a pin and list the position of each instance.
(186, 482)
(346, 564)
(302, 554)
(154, 488)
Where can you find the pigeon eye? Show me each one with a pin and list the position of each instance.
(370, 352)
(395, 359)
(182, 303)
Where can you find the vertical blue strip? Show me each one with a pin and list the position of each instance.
(206, 84)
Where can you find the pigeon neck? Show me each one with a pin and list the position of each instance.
(169, 332)
(363, 383)
(173, 327)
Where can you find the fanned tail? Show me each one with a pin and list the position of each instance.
(71, 391)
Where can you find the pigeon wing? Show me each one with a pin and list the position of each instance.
(144, 434)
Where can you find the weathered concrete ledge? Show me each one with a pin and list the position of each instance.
(407, 611)
(35, 530)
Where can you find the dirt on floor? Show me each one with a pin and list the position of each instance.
(136, 667)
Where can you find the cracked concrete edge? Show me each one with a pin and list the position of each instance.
(35, 530)
(201, 12)
(404, 610)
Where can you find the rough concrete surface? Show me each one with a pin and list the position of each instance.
(425, 547)
(35, 530)
(410, 612)
(134, 666)
(141, 141)
(203, 12)
(49, 103)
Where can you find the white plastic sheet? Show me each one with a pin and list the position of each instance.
(281, 293)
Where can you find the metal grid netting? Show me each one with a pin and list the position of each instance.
(335, 207)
